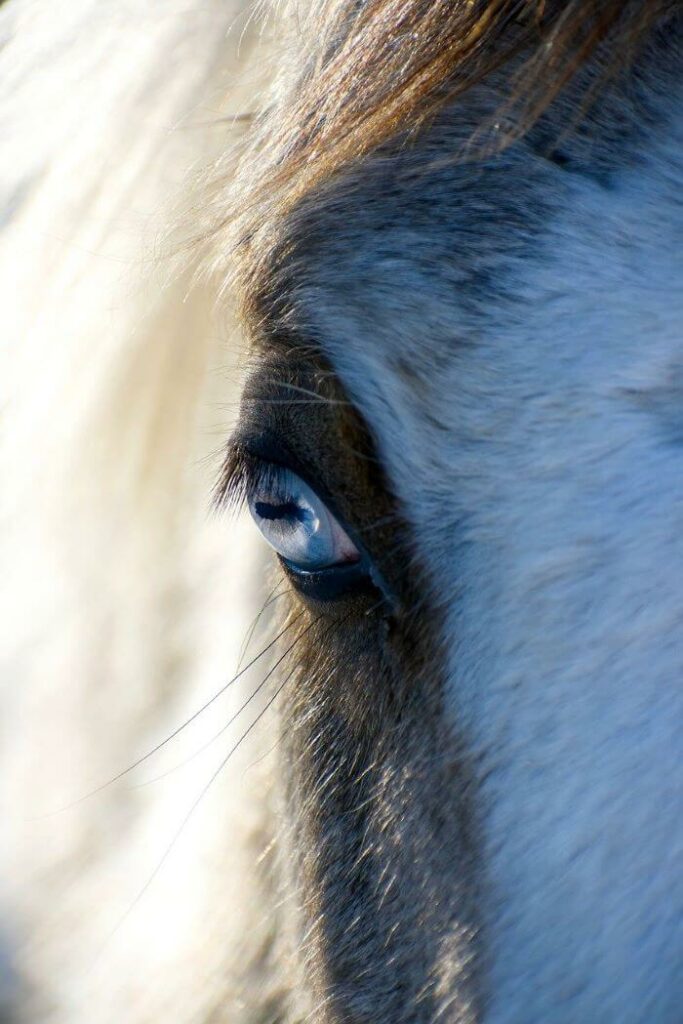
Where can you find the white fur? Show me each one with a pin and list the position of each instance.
(549, 513)
(549, 517)
(123, 603)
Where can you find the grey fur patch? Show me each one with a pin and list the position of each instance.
(442, 294)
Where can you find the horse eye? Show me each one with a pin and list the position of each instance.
(298, 525)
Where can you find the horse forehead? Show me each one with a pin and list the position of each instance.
(445, 300)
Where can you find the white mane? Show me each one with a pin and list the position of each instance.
(510, 336)
(123, 602)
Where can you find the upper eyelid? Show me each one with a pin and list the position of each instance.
(256, 461)
(252, 464)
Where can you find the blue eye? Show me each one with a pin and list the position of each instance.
(298, 525)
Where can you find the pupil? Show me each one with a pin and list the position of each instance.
(288, 510)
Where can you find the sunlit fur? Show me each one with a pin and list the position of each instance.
(510, 329)
(123, 602)
(513, 343)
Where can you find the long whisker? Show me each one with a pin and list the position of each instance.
(171, 736)
(269, 751)
(233, 718)
(271, 598)
(387, 520)
(307, 391)
(295, 401)
(193, 807)
(378, 604)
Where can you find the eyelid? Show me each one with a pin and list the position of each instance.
(254, 464)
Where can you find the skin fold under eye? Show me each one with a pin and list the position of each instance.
(298, 525)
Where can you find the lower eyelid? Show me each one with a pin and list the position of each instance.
(330, 584)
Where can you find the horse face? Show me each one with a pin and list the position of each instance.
(478, 371)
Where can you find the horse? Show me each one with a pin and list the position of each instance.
(457, 238)
(452, 234)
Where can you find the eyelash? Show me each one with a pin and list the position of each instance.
(244, 474)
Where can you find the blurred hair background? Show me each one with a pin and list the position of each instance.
(124, 601)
